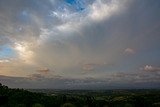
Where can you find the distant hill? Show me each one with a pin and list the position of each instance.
(113, 98)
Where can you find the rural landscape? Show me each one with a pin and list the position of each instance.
(78, 98)
(79, 53)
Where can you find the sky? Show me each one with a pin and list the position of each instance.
(80, 44)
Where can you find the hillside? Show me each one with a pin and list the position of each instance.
(113, 98)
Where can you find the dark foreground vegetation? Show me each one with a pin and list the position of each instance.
(49, 98)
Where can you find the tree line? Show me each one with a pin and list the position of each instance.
(23, 98)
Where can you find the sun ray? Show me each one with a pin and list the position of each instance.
(24, 52)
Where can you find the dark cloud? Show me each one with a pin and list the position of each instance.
(24, 21)
(117, 80)
(36, 77)
(58, 35)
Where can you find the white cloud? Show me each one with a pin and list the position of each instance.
(150, 68)
(129, 51)
(4, 61)
(100, 10)
(24, 52)
(97, 11)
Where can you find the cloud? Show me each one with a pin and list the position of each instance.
(93, 66)
(133, 77)
(88, 67)
(149, 68)
(48, 31)
(129, 51)
(101, 9)
(24, 52)
(4, 61)
(36, 77)
(110, 81)
(58, 35)
(43, 70)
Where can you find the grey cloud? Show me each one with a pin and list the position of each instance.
(51, 41)
(36, 77)
(119, 80)
(88, 67)
(93, 66)
(43, 70)
(22, 20)
(134, 77)
(4, 40)
(73, 47)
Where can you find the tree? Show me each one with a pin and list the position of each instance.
(68, 105)
(37, 105)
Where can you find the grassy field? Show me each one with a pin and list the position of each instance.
(78, 98)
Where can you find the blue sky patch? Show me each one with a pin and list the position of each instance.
(78, 5)
(71, 1)
(7, 52)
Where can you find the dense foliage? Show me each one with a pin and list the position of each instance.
(113, 98)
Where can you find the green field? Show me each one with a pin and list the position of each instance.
(78, 98)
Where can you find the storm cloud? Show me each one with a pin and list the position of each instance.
(69, 37)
